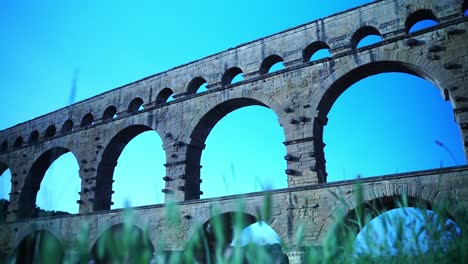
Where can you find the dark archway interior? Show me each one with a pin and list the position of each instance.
(337, 88)
(135, 105)
(108, 162)
(38, 247)
(27, 202)
(216, 234)
(198, 138)
(268, 63)
(109, 113)
(3, 168)
(87, 120)
(67, 126)
(194, 84)
(164, 95)
(123, 243)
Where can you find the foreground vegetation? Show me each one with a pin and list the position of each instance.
(127, 244)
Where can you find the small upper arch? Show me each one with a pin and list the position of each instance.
(230, 75)
(87, 120)
(18, 142)
(50, 131)
(109, 113)
(164, 96)
(195, 84)
(364, 36)
(268, 63)
(465, 8)
(34, 136)
(135, 105)
(313, 48)
(420, 19)
(67, 126)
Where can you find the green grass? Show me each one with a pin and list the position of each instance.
(126, 244)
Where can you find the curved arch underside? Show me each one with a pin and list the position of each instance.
(329, 96)
(198, 138)
(108, 162)
(27, 200)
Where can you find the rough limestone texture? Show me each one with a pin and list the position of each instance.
(97, 129)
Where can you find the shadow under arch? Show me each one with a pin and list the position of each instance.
(3, 167)
(40, 246)
(27, 199)
(333, 86)
(216, 234)
(202, 129)
(122, 242)
(109, 157)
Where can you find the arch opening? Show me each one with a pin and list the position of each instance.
(165, 96)
(123, 243)
(406, 231)
(87, 120)
(316, 51)
(109, 113)
(259, 131)
(135, 105)
(216, 235)
(197, 85)
(419, 20)
(404, 115)
(18, 142)
(365, 36)
(67, 126)
(138, 176)
(107, 168)
(39, 246)
(55, 167)
(465, 8)
(271, 64)
(50, 131)
(232, 75)
(34, 136)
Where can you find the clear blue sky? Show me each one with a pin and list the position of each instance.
(384, 124)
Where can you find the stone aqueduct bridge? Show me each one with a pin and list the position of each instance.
(301, 94)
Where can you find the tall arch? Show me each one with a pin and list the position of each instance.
(108, 163)
(5, 182)
(202, 128)
(334, 85)
(27, 199)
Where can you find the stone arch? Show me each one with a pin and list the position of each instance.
(355, 70)
(109, 113)
(67, 126)
(419, 15)
(313, 47)
(376, 199)
(3, 167)
(229, 75)
(112, 234)
(18, 142)
(195, 84)
(164, 95)
(31, 233)
(363, 32)
(27, 199)
(135, 105)
(268, 62)
(207, 118)
(109, 157)
(50, 131)
(34, 136)
(206, 232)
(87, 120)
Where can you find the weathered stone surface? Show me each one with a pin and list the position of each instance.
(301, 96)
